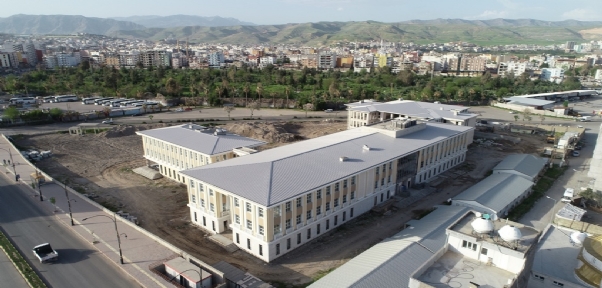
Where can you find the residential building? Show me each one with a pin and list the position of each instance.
(552, 74)
(470, 63)
(216, 59)
(427, 252)
(279, 199)
(495, 195)
(382, 60)
(367, 112)
(187, 146)
(344, 61)
(30, 52)
(155, 58)
(327, 60)
(524, 165)
(309, 61)
(5, 60)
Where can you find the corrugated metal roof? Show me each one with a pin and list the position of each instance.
(496, 191)
(414, 109)
(524, 163)
(392, 262)
(200, 139)
(282, 173)
(528, 101)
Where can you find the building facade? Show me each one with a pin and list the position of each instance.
(188, 146)
(277, 200)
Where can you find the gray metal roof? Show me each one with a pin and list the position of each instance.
(524, 163)
(238, 276)
(528, 101)
(276, 175)
(556, 256)
(392, 262)
(414, 109)
(200, 139)
(496, 191)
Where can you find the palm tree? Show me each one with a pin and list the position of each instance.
(287, 90)
(273, 94)
(259, 91)
(437, 95)
(471, 94)
(246, 89)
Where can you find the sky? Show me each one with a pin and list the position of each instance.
(298, 11)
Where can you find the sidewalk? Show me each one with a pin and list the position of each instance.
(139, 249)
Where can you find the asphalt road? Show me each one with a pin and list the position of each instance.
(29, 223)
(9, 276)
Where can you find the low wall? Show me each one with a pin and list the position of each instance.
(578, 225)
(218, 275)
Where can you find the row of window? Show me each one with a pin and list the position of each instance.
(177, 161)
(318, 209)
(440, 150)
(541, 278)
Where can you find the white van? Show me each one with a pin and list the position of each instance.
(569, 193)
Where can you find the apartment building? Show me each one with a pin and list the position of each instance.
(155, 58)
(552, 74)
(327, 60)
(188, 146)
(469, 63)
(5, 60)
(216, 59)
(279, 199)
(309, 61)
(367, 112)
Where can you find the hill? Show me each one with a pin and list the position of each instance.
(154, 21)
(62, 24)
(485, 32)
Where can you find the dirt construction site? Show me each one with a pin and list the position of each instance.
(100, 166)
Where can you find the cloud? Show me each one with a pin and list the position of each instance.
(508, 4)
(340, 9)
(581, 14)
(489, 14)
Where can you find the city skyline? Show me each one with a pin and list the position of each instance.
(279, 11)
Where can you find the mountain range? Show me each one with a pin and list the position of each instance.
(229, 30)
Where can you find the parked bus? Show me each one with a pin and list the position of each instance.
(129, 102)
(23, 100)
(115, 103)
(48, 99)
(65, 98)
(148, 104)
(99, 101)
(90, 100)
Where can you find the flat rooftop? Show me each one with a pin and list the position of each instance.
(454, 270)
(529, 234)
(555, 245)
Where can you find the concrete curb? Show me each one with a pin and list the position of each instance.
(19, 270)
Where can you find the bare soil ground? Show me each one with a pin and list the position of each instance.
(101, 165)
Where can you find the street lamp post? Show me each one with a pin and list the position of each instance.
(116, 231)
(552, 216)
(38, 180)
(69, 204)
(10, 154)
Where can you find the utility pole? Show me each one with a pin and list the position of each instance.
(69, 203)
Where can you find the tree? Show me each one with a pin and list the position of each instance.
(273, 94)
(254, 105)
(591, 196)
(52, 200)
(516, 118)
(526, 114)
(246, 89)
(11, 113)
(565, 104)
(151, 118)
(307, 107)
(259, 91)
(171, 87)
(542, 117)
(287, 90)
(228, 109)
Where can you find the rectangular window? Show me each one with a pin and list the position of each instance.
(212, 207)
(288, 243)
(201, 187)
(328, 190)
(327, 224)
(277, 228)
(377, 170)
(539, 277)
(299, 238)
(319, 194)
(288, 206)
(248, 205)
(389, 179)
(298, 219)
(249, 244)
(352, 196)
(327, 206)
(278, 249)
(210, 192)
(237, 219)
(203, 203)
(204, 221)
(336, 202)
(308, 215)
(375, 184)
(345, 183)
(277, 211)
(195, 219)
(484, 251)
(308, 198)
(261, 231)
(353, 180)
(390, 165)
(558, 284)
(260, 212)
(382, 182)
(336, 187)
(318, 210)
(351, 213)
(318, 229)
(193, 198)
(299, 202)
(344, 198)
(236, 203)
(237, 238)
(336, 220)
(309, 233)
(469, 245)
(191, 184)
(249, 224)
(288, 223)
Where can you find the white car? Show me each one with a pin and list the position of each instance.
(110, 121)
(512, 112)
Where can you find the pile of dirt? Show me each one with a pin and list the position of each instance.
(129, 130)
(268, 132)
